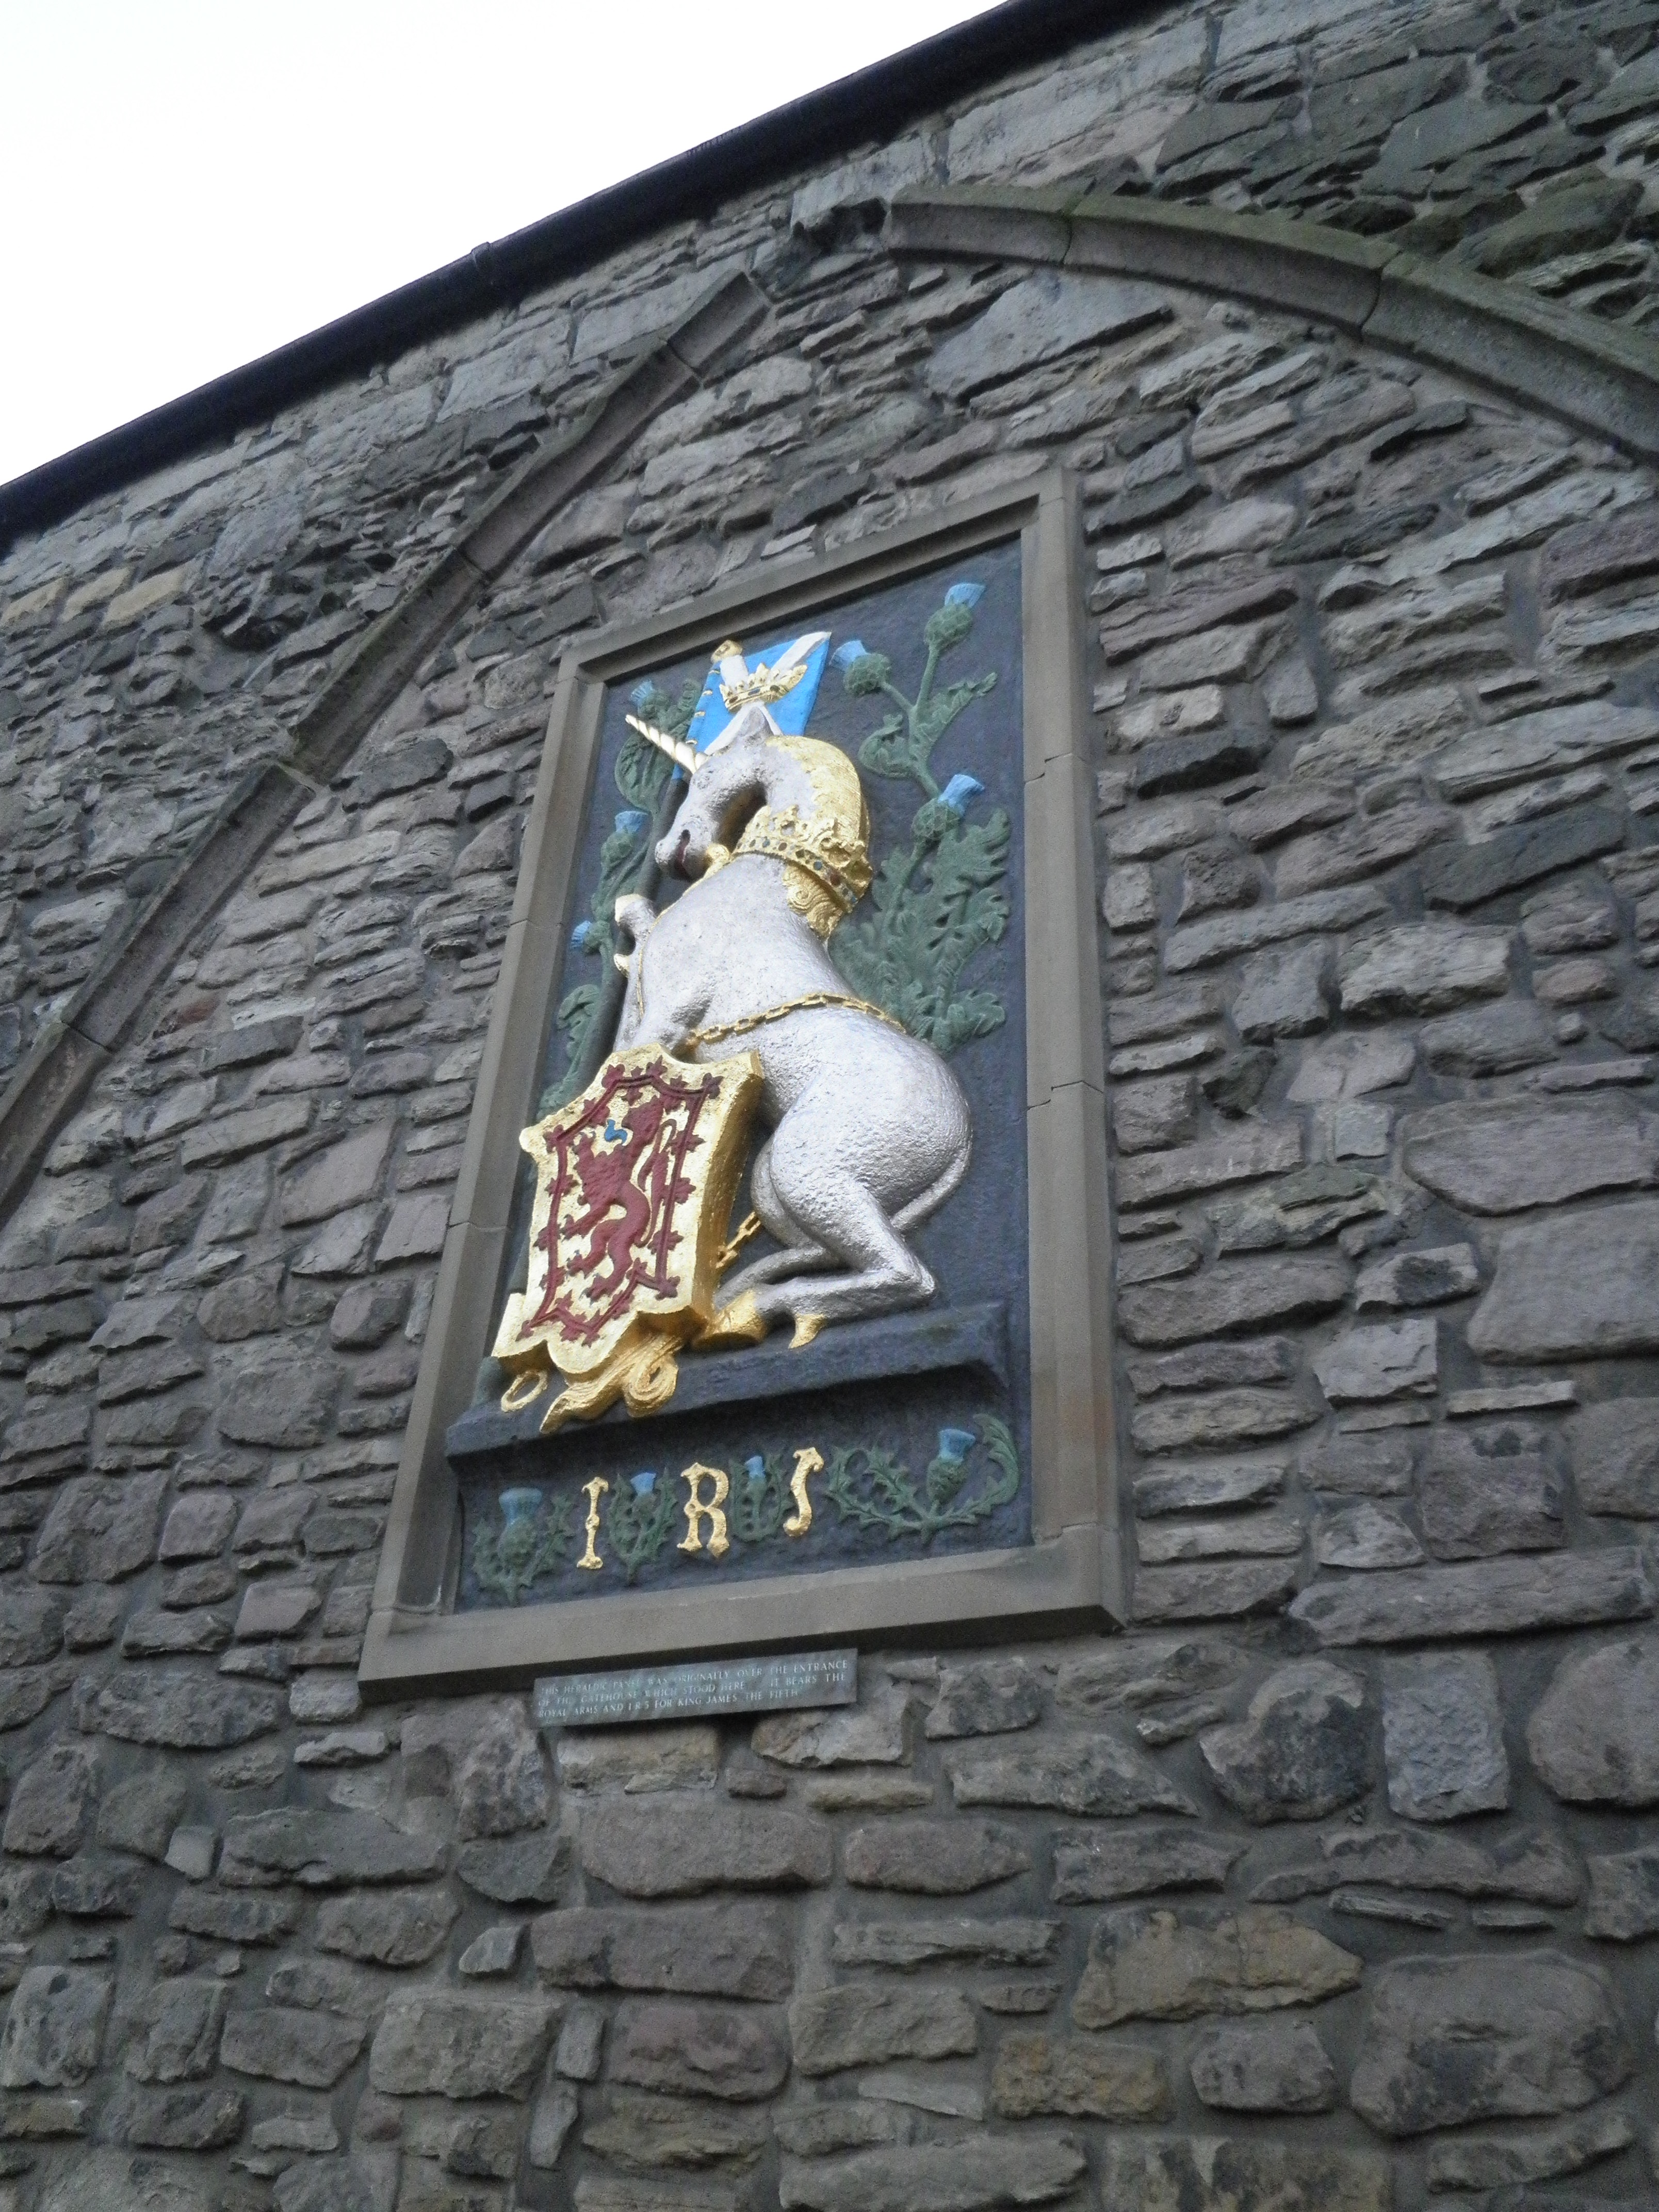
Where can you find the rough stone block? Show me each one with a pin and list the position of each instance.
(1079, 2077)
(141, 1814)
(51, 1802)
(325, 1850)
(179, 2039)
(1207, 1486)
(582, 2038)
(1161, 1111)
(1615, 1457)
(54, 2031)
(369, 1312)
(1203, 2175)
(1505, 2162)
(1385, 1360)
(1280, 2067)
(442, 2044)
(1302, 1750)
(1424, 1278)
(1591, 1737)
(1584, 1283)
(31, 1626)
(970, 2174)
(190, 1852)
(1366, 1537)
(718, 1950)
(499, 1782)
(1040, 318)
(1233, 1294)
(874, 1733)
(1521, 855)
(1214, 1589)
(343, 1175)
(516, 1871)
(555, 2114)
(1094, 1865)
(1488, 1487)
(736, 2052)
(176, 2119)
(399, 1928)
(1535, 1869)
(867, 2023)
(656, 2132)
(100, 1530)
(1155, 1965)
(1423, 968)
(1449, 2040)
(1495, 1039)
(934, 1858)
(96, 1889)
(1257, 1149)
(990, 1697)
(907, 1943)
(225, 1918)
(678, 1756)
(1504, 1155)
(1218, 1420)
(198, 1526)
(283, 2043)
(281, 1396)
(1284, 992)
(671, 1849)
(416, 1230)
(1094, 1773)
(1442, 1736)
(1501, 1597)
(1624, 1895)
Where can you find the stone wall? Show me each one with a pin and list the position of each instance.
(1325, 1882)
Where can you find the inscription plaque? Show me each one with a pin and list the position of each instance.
(698, 1690)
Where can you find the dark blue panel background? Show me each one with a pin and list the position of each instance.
(975, 1245)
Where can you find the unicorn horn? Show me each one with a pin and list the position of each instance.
(682, 754)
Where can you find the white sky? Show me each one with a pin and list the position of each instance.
(186, 185)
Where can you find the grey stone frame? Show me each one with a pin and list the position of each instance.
(1073, 1572)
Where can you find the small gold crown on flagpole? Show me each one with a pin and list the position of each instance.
(761, 687)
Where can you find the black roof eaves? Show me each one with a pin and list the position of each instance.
(854, 111)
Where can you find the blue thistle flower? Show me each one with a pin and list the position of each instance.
(960, 793)
(964, 595)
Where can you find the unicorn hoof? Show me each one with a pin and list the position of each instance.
(741, 1322)
(807, 1327)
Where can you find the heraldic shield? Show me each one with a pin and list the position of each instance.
(634, 1182)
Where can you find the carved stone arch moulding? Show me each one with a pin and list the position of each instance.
(681, 1393)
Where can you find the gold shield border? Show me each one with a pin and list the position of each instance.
(633, 1356)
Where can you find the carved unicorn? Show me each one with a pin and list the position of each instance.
(870, 1131)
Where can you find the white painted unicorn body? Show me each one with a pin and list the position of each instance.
(870, 1130)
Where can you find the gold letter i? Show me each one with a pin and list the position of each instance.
(592, 1492)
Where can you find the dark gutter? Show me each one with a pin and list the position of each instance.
(861, 109)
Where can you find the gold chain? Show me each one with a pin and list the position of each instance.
(801, 1006)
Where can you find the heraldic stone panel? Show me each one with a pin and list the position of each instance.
(766, 1305)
